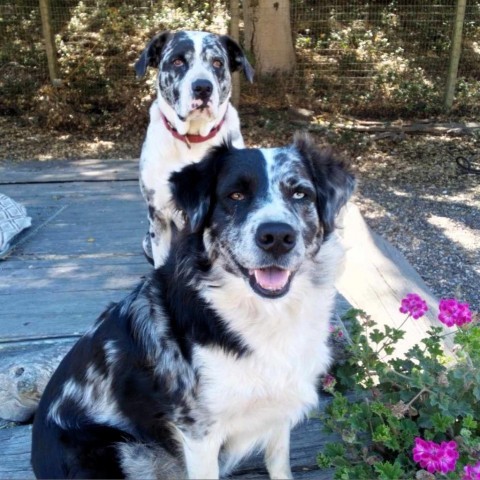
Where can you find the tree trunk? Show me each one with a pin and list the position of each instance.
(268, 33)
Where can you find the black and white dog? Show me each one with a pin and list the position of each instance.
(219, 351)
(191, 114)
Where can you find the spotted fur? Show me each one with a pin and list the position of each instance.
(193, 94)
(200, 366)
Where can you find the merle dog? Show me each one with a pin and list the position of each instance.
(218, 352)
(191, 114)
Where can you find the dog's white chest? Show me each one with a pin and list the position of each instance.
(261, 388)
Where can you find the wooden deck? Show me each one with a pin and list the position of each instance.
(84, 251)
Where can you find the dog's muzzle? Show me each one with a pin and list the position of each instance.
(276, 239)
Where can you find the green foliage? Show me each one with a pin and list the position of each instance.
(381, 402)
(363, 58)
(97, 44)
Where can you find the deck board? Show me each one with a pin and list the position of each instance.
(307, 441)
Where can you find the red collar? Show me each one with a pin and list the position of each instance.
(190, 138)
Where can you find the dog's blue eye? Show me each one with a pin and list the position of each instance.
(237, 196)
(298, 195)
(217, 63)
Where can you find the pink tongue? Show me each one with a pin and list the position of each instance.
(271, 278)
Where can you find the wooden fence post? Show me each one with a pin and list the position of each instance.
(455, 52)
(234, 33)
(46, 15)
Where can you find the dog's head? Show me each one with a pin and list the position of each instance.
(263, 214)
(194, 74)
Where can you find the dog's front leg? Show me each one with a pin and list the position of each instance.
(277, 453)
(160, 236)
(201, 457)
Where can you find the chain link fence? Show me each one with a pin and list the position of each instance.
(377, 58)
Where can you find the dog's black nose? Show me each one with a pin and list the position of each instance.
(202, 89)
(275, 237)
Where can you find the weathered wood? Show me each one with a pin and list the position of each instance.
(15, 453)
(24, 373)
(49, 40)
(379, 130)
(415, 128)
(376, 278)
(307, 441)
(30, 172)
(59, 278)
(54, 315)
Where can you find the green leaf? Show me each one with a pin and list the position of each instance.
(382, 434)
(376, 336)
(470, 423)
(389, 471)
(441, 422)
(379, 408)
(389, 350)
(334, 449)
(339, 406)
(323, 461)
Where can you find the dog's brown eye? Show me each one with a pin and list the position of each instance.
(217, 63)
(178, 62)
(237, 196)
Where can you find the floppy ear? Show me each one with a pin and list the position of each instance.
(150, 57)
(333, 182)
(193, 188)
(236, 57)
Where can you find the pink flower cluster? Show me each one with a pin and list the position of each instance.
(453, 312)
(414, 305)
(471, 472)
(435, 457)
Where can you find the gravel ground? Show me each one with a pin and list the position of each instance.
(414, 195)
(410, 189)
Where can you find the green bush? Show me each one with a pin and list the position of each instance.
(406, 417)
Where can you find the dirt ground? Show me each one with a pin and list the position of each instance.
(411, 190)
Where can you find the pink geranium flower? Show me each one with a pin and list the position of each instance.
(453, 312)
(435, 457)
(414, 305)
(471, 472)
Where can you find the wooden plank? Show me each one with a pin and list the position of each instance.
(38, 194)
(88, 242)
(67, 171)
(68, 277)
(307, 442)
(15, 453)
(376, 278)
(79, 261)
(56, 314)
(56, 190)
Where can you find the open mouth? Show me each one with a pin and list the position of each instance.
(272, 282)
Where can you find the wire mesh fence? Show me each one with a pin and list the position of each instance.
(384, 58)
